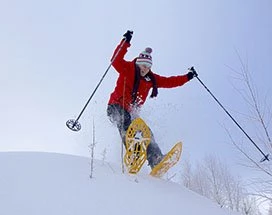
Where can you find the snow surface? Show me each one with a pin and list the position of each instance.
(40, 183)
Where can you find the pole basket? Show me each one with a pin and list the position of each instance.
(265, 158)
(74, 125)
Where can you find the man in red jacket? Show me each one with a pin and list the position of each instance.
(132, 88)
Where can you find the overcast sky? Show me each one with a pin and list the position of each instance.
(53, 54)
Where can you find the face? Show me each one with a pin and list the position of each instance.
(144, 69)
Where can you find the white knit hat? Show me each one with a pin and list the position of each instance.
(145, 58)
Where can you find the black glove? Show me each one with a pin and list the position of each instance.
(192, 73)
(128, 36)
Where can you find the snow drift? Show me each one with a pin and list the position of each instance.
(39, 183)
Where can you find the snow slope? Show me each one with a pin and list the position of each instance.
(39, 183)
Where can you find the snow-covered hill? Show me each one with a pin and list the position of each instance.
(38, 183)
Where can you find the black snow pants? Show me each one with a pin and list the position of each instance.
(122, 119)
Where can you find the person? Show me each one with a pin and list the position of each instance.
(132, 87)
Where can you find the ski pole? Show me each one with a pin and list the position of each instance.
(265, 156)
(74, 124)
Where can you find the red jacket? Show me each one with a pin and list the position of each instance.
(122, 93)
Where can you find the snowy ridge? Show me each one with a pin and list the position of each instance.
(38, 183)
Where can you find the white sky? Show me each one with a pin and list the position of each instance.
(53, 54)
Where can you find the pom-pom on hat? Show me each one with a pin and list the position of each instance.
(145, 58)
